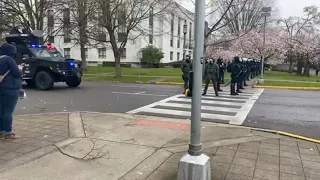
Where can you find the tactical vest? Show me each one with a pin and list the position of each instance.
(211, 69)
(186, 68)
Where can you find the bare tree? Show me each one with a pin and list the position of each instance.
(27, 13)
(243, 15)
(75, 21)
(121, 21)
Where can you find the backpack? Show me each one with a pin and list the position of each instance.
(5, 74)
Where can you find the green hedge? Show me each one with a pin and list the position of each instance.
(146, 65)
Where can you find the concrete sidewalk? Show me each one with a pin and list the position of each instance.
(134, 147)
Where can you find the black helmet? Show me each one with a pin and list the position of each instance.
(236, 59)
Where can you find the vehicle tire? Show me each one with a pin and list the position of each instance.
(44, 80)
(30, 82)
(73, 82)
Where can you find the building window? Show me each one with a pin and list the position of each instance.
(179, 32)
(51, 39)
(171, 55)
(102, 53)
(151, 26)
(50, 18)
(172, 30)
(178, 56)
(50, 35)
(67, 52)
(86, 52)
(122, 25)
(50, 25)
(66, 18)
(123, 54)
(190, 31)
(102, 35)
(67, 35)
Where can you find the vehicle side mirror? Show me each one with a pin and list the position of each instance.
(25, 57)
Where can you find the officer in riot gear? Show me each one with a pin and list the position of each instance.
(248, 65)
(211, 74)
(186, 68)
(235, 70)
(244, 73)
(240, 76)
(221, 73)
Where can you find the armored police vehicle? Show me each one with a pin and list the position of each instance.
(43, 64)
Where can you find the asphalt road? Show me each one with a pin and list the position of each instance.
(292, 111)
(94, 96)
(286, 110)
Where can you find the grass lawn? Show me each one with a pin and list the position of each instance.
(137, 74)
(137, 71)
(290, 84)
(174, 75)
(289, 76)
(122, 79)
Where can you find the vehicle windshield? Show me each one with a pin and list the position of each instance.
(45, 53)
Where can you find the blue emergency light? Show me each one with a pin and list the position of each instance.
(39, 46)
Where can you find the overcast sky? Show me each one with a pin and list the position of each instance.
(286, 7)
(295, 7)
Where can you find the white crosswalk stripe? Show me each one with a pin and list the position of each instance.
(225, 108)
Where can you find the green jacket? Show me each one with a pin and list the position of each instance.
(186, 68)
(212, 70)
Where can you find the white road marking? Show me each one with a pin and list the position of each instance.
(128, 86)
(241, 105)
(143, 93)
(242, 115)
(202, 107)
(210, 102)
(188, 114)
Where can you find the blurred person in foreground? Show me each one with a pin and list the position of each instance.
(11, 83)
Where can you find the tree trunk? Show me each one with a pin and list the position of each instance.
(299, 64)
(117, 65)
(83, 55)
(290, 65)
(307, 66)
(82, 32)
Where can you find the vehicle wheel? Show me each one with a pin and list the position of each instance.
(30, 82)
(74, 82)
(44, 80)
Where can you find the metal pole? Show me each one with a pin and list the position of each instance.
(184, 45)
(264, 44)
(195, 148)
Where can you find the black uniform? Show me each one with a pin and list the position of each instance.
(222, 68)
(186, 68)
(235, 71)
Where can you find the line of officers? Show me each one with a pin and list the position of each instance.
(241, 69)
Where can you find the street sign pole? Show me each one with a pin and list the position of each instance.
(266, 12)
(195, 165)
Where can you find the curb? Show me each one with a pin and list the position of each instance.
(140, 82)
(288, 88)
(288, 134)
